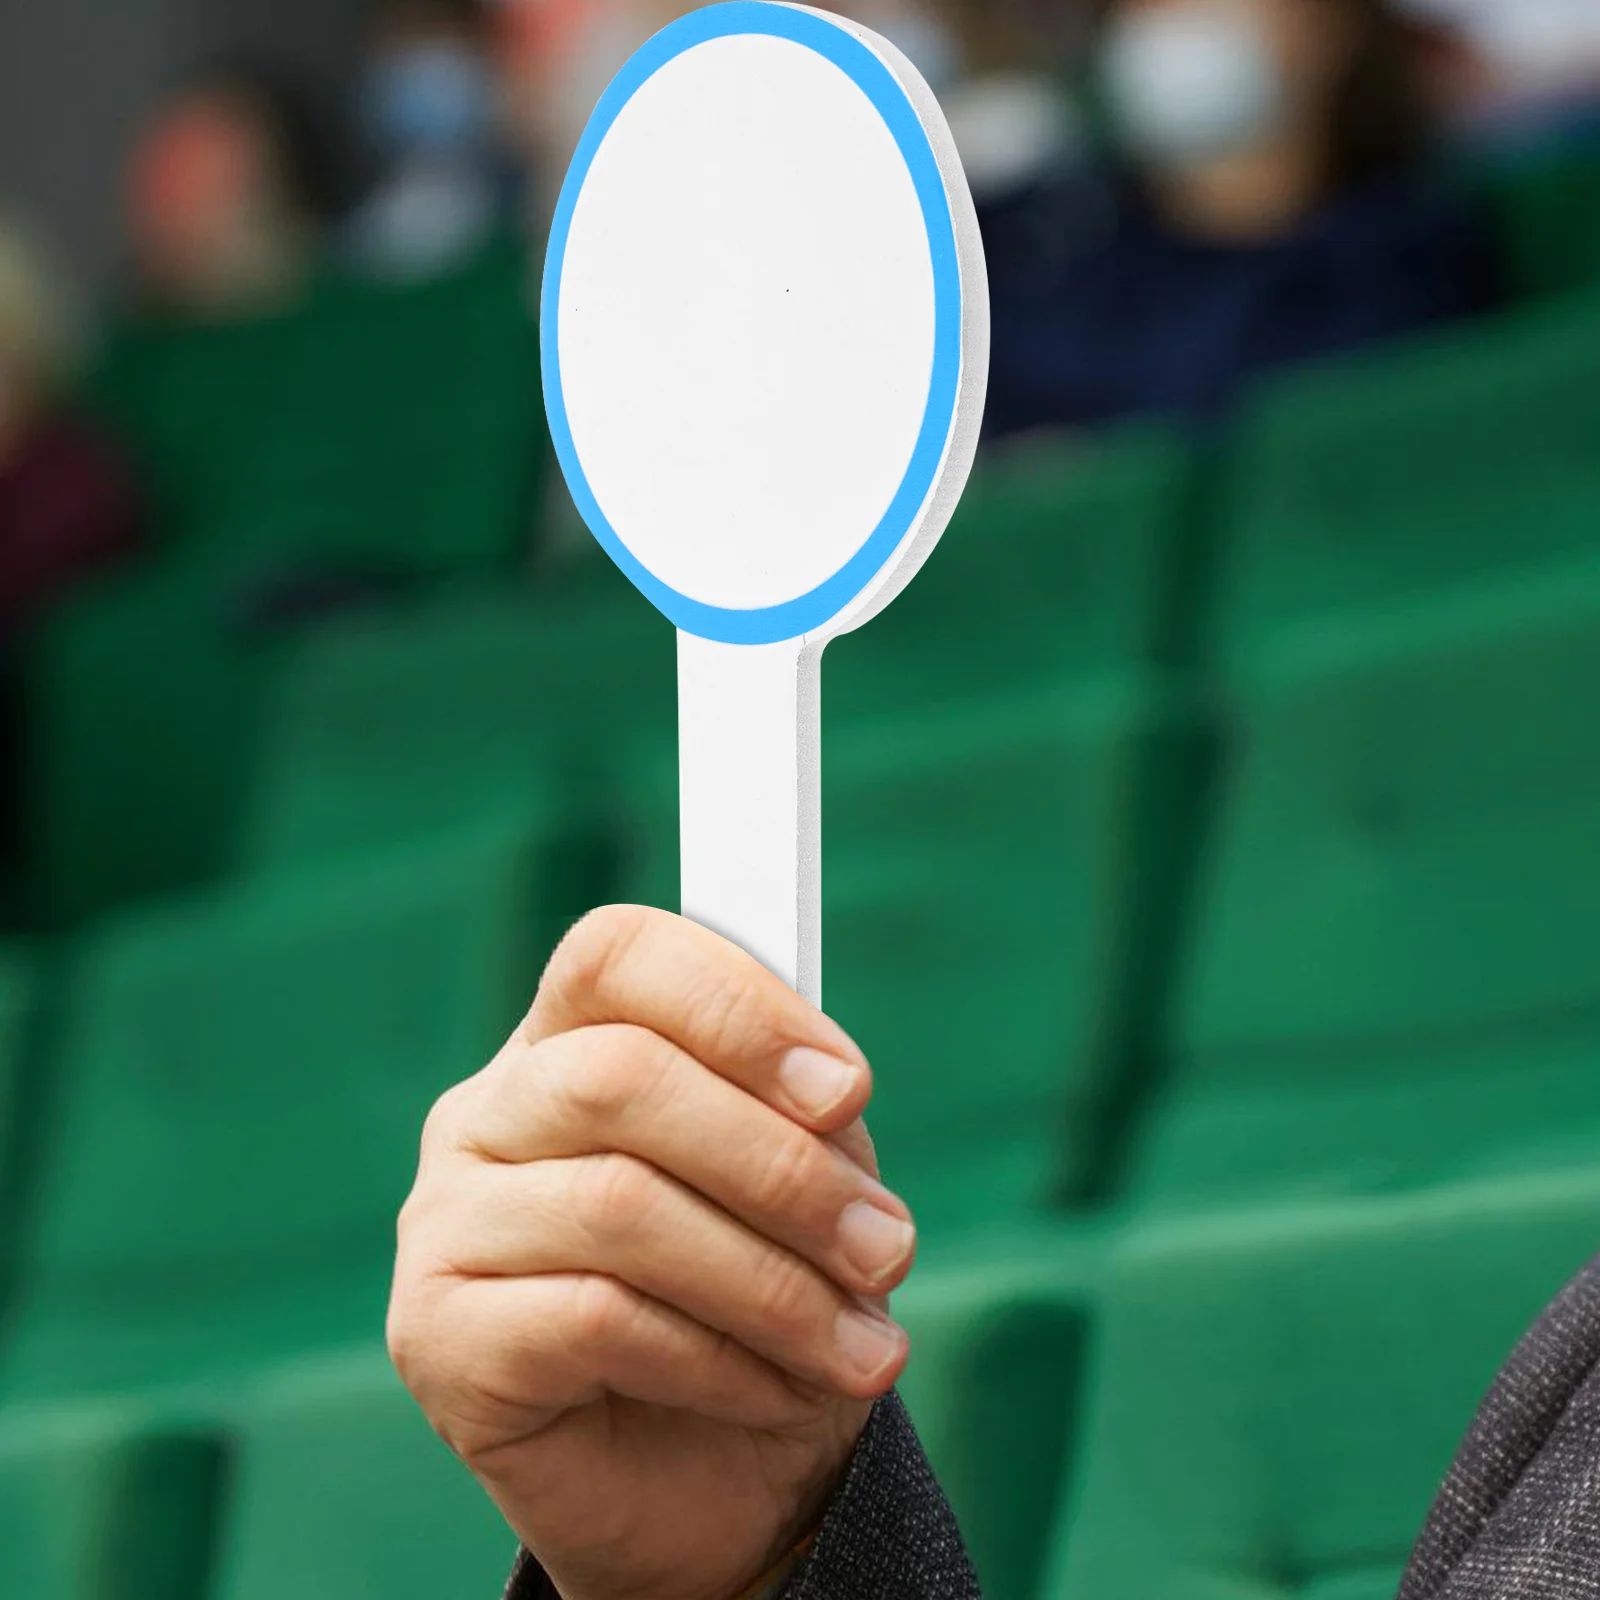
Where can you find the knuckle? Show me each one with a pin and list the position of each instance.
(603, 1072)
(601, 1314)
(402, 1338)
(429, 1219)
(622, 1194)
(441, 1128)
(406, 1223)
(720, 1013)
(784, 1296)
(592, 948)
(787, 1181)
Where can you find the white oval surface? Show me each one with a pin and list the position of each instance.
(747, 321)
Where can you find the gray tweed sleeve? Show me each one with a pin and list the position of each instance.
(888, 1533)
(1519, 1515)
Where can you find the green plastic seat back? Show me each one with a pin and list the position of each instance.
(1547, 219)
(1000, 1325)
(984, 893)
(1420, 467)
(444, 441)
(340, 1488)
(245, 1080)
(390, 426)
(1409, 839)
(1276, 1393)
(1066, 562)
(98, 1504)
(392, 727)
(1375, 1121)
(144, 699)
(975, 857)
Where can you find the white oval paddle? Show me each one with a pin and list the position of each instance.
(765, 333)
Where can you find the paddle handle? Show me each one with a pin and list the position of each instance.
(749, 801)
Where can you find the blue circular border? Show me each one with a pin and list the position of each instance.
(793, 618)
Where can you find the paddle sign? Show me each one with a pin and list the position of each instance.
(765, 330)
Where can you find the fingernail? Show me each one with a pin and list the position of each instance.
(843, 1045)
(866, 1344)
(817, 1083)
(874, 1241)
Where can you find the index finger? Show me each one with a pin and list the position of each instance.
(631, 964)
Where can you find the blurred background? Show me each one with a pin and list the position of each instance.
(1227, 971)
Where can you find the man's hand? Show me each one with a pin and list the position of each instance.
(640, 1278)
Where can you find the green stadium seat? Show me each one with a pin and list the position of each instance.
(243, 1082)
(377, 436)
(1008, 859)
(390, 723)
(1071, 560)
(388, 727)
(999, 1327)
(100, 1503)
(1447, 461)
(1391, 980)
(391, 427)
(998, 882)
(1547, 218)
(1414, 800)
(340, 1488)
(1276, 1393)
(143, 700)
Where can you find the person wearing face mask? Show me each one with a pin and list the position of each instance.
(429, 110)
(1271, 203)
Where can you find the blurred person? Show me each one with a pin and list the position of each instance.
(641, 1291)
(922, 32)
(67, 509)
(559, 56)
(432, 118)
(66, 506)
(1006, 35)
(1270, 202)
(227, 196)
(1017, 124)
(1527, 54)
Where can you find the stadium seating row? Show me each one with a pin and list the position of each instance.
(1227, 989)
(1247, 1404)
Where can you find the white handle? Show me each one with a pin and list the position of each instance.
(749, 800)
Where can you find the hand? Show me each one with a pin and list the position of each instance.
(641, 1275)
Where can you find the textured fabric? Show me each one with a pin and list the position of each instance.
(888, 1533)
(1519, 1515)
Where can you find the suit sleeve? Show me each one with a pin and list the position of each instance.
(1519, 1515)
(888, 1533)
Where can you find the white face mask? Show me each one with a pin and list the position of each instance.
(1190, 84)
